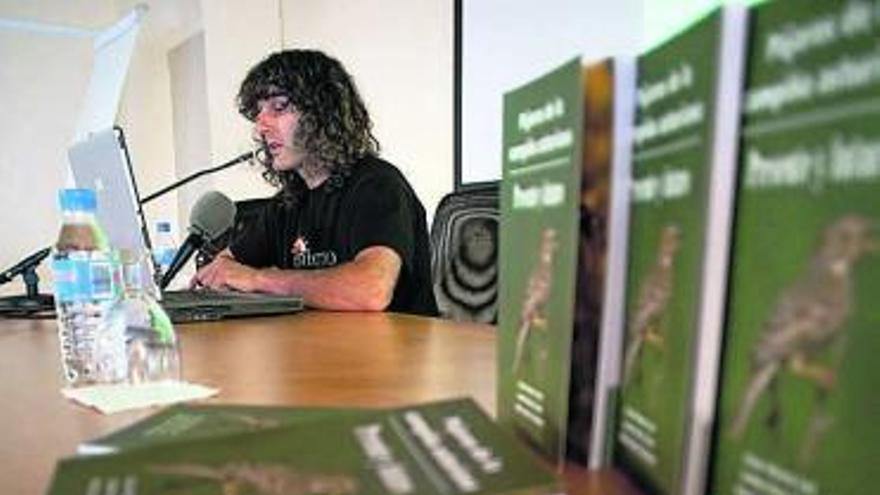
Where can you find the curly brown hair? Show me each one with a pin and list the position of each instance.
(334, 128)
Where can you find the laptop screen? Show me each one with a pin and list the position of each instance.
(98, 163)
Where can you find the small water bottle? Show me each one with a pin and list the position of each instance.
(152, 352)
(87, 285)
(164, 246)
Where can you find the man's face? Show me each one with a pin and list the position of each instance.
(276, 124)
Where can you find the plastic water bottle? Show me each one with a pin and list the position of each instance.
(164, 246)
(152, 352)
(86, 288)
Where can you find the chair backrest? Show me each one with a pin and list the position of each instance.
(464, 254)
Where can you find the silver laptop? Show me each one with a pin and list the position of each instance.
(99, 163)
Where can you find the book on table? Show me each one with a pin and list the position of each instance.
(194, 421)
(444, 448)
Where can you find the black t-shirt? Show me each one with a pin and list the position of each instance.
(371, 205)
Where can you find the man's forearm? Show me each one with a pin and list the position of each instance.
(364, 284)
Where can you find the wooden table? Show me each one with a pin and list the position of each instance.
(310, 359)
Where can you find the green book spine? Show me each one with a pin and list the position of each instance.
(618, 125)
(798, 406)
(542, 158)
(592, 209)
(441, 448)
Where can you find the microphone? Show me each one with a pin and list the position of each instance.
(211, 216)
(31, 261)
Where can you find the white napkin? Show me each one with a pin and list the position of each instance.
(111, 399)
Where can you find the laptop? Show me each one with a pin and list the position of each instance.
(99, 162)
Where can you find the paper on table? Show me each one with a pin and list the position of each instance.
(111, 399)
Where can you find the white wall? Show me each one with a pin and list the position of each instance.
(146, 111)
(510, 42)
(400, 55)
(42, 80)
(507, 43)
(192, 136)
(237, 35)
(665, 18)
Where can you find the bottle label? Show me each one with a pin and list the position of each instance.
(101, 275)
(84, 276)
(164, 256)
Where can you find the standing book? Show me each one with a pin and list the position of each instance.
(684, 151)
(542, 128)
(798, 402)
(447, 447)
(556, 196)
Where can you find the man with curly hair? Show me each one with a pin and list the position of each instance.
(346, 231)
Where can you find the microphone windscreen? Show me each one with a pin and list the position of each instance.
(212, 215)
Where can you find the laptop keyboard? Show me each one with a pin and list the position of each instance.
(207, 305)
(206, 295)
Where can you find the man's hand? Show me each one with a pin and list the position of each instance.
(226, 273)
(365, 283)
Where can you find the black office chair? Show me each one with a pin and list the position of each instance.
(464, 254)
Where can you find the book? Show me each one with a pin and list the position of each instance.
(538, 255)
(183, 422)
(798, 404)
(444, 448)
(620, 74)
(556, 195)
(683, 155)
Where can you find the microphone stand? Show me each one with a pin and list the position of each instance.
(33, 304)
(157, 273)
(36, 305)
(235, 161)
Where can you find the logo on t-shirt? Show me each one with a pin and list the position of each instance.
(303, 257)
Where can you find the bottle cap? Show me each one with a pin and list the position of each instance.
(78, 199)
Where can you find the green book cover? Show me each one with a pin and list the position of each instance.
(444, 448)
(673, 157)
(799, 406)
(556, 195)
(184, 422)
(540, 189)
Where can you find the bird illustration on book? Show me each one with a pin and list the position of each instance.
(646, 325)
(537, 293)
(261, 479)
(809, 318)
